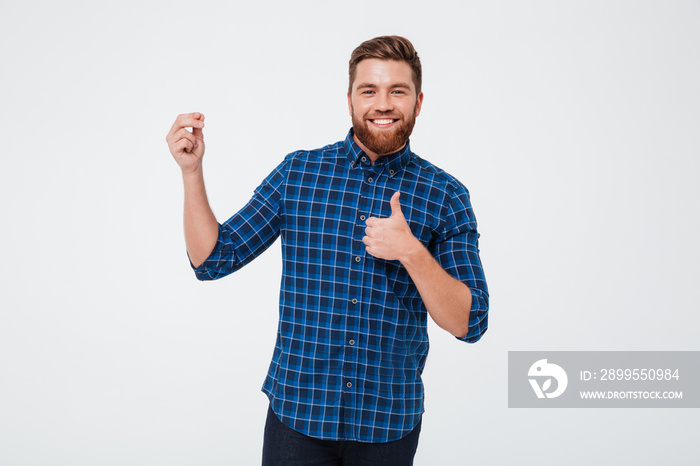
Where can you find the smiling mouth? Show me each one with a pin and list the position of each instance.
(383, 122)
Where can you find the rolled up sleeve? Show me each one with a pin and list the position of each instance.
(457, 251)
(249, 232)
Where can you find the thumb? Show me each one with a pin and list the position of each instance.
(396, 205)
(197, 132)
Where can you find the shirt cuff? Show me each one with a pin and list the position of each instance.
(478, 317)
(206, 270)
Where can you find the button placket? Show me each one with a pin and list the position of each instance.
(355, 303)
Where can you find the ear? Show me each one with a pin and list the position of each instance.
(349, 104)
(419, 103)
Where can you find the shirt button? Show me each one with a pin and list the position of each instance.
(369, 180)
(357, 259)
(354, 300)
(349, 384)
(391, 172)
(352, 342)
(362, 217)
(364, 159)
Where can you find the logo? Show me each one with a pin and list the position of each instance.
(542, 370)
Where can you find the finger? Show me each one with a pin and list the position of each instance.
(371, 221)
(177, 144)
(184, 134)
(192, 142)
(187, 120)
(183, 145)
(191, 117)
(181, 134)
(396, 205)
(366, 240)
(178, 123)
(197, 129)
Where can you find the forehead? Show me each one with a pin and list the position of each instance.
(383, 73)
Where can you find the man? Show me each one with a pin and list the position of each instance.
(374, 239)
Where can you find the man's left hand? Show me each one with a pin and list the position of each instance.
(390, 238)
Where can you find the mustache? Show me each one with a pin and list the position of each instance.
(377, 115)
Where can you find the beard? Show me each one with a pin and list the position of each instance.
(383, 142)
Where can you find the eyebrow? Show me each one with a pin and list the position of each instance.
(374, 86)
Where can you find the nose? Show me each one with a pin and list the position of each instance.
(383, 102)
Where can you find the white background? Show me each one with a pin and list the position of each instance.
(574, 125)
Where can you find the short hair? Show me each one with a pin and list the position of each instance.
(387, 48)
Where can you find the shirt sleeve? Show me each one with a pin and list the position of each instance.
(249, 232)
(457, 251)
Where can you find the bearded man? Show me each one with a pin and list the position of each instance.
(374, 239)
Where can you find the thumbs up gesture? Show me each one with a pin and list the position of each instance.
(389, 238)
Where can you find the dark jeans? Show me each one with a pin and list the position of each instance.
(286, 447)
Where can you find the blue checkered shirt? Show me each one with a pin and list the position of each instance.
(352, 339)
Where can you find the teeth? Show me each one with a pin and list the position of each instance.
(382, 122)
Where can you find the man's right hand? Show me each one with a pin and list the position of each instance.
(201, 228)
(187, 146)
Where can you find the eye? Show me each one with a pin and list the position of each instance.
(368, 92)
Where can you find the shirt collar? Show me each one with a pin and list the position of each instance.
(393, 163)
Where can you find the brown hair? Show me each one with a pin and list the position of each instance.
(387, 48)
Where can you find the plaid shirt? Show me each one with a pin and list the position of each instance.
(352, 339)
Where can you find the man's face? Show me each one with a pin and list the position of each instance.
(383, 106)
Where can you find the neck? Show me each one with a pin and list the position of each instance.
(373, 156)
